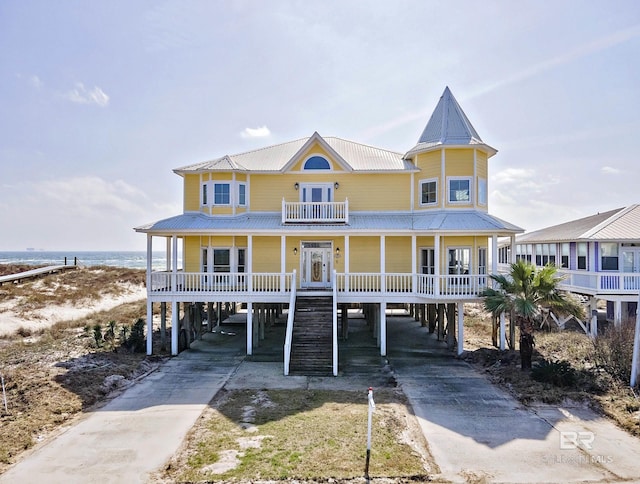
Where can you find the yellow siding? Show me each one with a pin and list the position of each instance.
(266, 191)
(378, 192)
(459, 162)
(482, 169)
(398, 254)
(364, 255)
(429, 164)
(191, 192)
(191, 256)
(424, 242)
(221, 210)
(266, 254)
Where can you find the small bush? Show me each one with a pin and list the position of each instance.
(613, 351)
(136, 341)
(558, 373)
(97, 334)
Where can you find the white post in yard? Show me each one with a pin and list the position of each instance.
(372, 407)
(636, 349)
(502, 332)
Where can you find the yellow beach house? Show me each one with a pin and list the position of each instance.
(315, 226)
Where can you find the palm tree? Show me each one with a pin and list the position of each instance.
(524, 292)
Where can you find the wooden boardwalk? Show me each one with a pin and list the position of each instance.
(40, 271)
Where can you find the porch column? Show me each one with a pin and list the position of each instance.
(283, 259)
(513, 249)
(249, 328)
(383, 329)
(436, 263)
(383, 264)
(149, 327)
(593, 310)
(617, 313)
(249, 263)
(174, 328)
(346, 262)
(502, 332)
(414, 261)
(494, 254)
(174, 263)
(168, 253)
(460, 328)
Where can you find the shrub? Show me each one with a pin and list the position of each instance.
(97, 334)
(558, 373)
(613, 351)
(136, 341)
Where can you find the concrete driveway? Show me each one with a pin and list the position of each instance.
(475, 431)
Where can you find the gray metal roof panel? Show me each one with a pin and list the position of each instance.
(580, 229)
(458, 221)
(274, 158)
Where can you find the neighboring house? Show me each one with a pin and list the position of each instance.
(599, 255)
(332, 218)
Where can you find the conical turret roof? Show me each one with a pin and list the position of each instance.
(449, 126)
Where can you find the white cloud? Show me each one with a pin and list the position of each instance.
(609, 170)
(35, 82)
(82, 95)
(261, 132)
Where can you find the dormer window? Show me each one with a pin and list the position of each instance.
(317, 163)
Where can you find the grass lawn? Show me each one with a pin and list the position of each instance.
(301, 434)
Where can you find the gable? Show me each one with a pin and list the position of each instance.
(315, 150)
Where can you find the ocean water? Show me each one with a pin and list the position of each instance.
(130, 259)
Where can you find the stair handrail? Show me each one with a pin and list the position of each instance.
(290, 317)
(335, 323)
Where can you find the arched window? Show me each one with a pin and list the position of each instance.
(316, 163)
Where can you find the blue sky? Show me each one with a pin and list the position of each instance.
(101, 100)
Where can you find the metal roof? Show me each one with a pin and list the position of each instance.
(357, 156)
(449, 126)
(615, 225)
(459, 221)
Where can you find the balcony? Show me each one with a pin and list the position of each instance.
(315, 212)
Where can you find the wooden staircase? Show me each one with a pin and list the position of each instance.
(311, 344)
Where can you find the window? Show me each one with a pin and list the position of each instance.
(316, 163)
(582, 255)
(221, 260)
(482, 191)
(564, 255)
(204, 194)
(428, 192)
(241, 260)
(482, 260)
(428, 261)
(460, 190)
(205, 259)
(221, 194)
(459, 261)
(609, 256)
(242, 194)
(504, 254)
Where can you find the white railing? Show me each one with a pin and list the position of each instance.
(290, 318)
(335, 324)
(327, 212)
(601, 282)
(428, 285)
(458, 286)
(220, 282)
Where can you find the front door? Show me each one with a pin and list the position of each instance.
(630, 259)
(316, 265)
